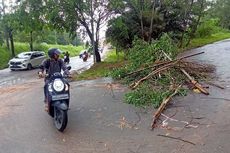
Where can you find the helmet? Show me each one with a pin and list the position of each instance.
(53, 51)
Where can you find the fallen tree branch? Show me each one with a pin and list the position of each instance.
(190, 55)
(176, 138)
(162, 107)
(216, 85)
(162, 63)
(165, 67)
(155, 65)
(194, 82)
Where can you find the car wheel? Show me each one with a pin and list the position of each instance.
(29, 66)
(12, 69)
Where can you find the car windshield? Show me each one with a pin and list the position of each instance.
(23, 55)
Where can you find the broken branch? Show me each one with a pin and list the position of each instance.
(194, 82)
(177, 138)
(162, 107)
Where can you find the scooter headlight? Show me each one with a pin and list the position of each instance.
(58, 85)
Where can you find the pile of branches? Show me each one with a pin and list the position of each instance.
(178, 68)
(192, 70)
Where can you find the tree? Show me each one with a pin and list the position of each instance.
(89, 15)
(150, 19)
(30, 14)
(10, 21)
(3, 13)
(220, 9)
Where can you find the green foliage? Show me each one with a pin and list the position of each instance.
(208, 27)
(145, 53)
(145, 96)
(150, 19)
(113, 56)
(5, 56)
(220, 9)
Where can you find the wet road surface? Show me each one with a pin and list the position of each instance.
(8, 77)
(99, 121)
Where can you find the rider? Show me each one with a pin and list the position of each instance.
(52, 65)
(66, 57)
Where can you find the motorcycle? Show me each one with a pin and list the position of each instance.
(66, 59)
(85, 57)
(58, 97)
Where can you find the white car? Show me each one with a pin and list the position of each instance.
(27, 60)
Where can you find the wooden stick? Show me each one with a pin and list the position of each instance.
(162, 107)
(216, 85)
(162, 63)
(194, 82)
(177, 138)
(189, 55)
(155, 65)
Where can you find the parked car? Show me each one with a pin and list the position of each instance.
(27, 60)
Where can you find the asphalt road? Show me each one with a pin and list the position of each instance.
(8, 77)
(99, 121)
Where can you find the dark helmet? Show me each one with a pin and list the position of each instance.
(53, 51)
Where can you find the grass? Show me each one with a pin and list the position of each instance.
(198, 42)
(21, 47)
(102, 69)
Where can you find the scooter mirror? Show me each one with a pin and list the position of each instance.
(68, 67)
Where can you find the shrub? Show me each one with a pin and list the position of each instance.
(208, 27)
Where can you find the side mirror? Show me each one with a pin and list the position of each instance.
(68, 67)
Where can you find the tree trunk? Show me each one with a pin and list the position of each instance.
(6, 28)
(12, 42)
(151, 24)
(31, 41)
(186, 15)
(7, 39)
(141, 18)
(194, 28)
(97, 54)
(182, 39)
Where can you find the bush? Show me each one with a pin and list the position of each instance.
(208, 27)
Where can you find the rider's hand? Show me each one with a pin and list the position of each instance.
(70, 76)
(40, 74)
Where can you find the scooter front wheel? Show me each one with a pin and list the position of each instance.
(60, 119)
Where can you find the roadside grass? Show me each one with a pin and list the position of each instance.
(103, 68)
(22, 47)
(198, 42)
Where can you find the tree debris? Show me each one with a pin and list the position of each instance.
(176, 138)
(166, 74)
(194, 82)
(216, 85)
(162, 107)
